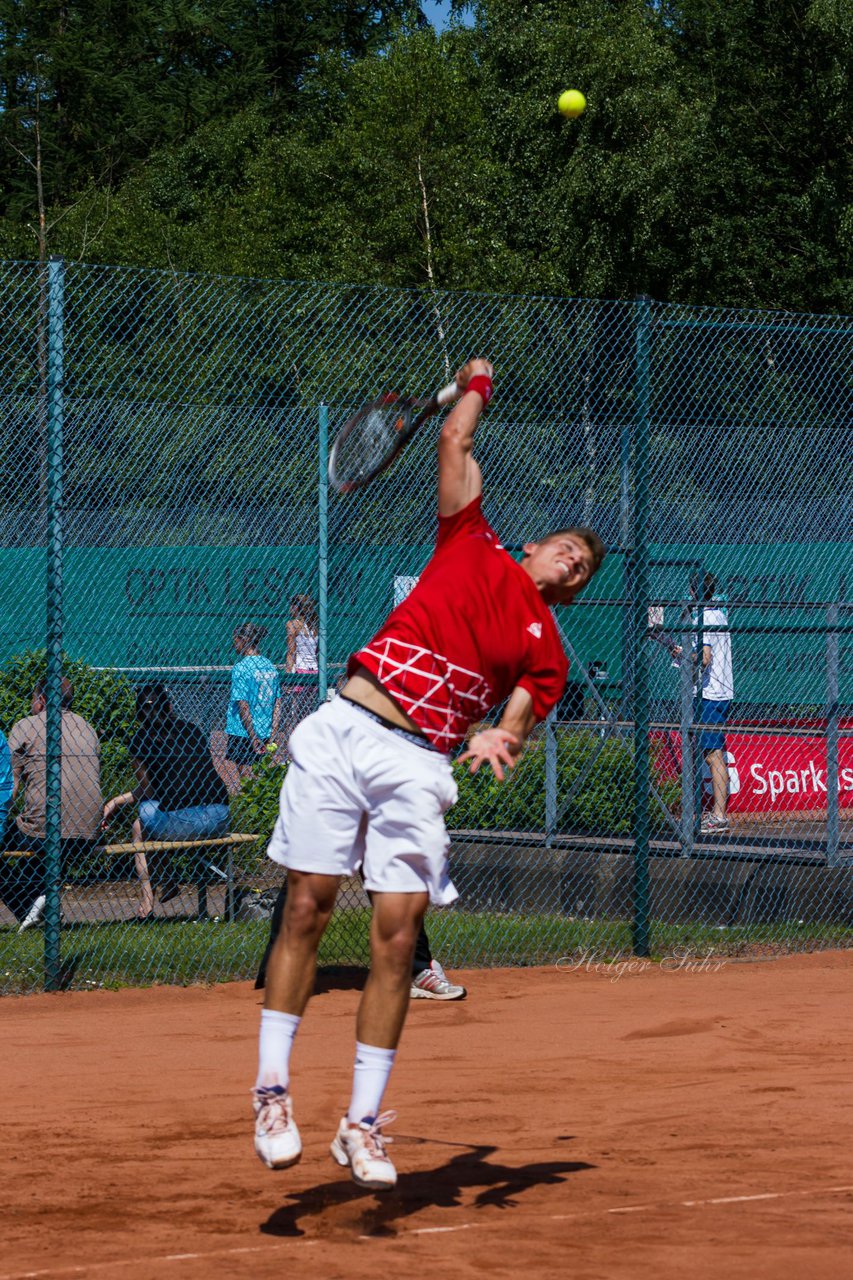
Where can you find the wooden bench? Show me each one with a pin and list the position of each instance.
(209, 872)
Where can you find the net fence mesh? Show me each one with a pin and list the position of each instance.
(163, 449)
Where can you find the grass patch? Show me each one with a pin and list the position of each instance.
(183, 952)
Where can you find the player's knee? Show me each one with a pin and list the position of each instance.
(304, 916)
(395, 947)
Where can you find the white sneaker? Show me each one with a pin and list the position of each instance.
(277, 1139)
(711, 824)
(362, 1147)
(35, 915)
(434, 984)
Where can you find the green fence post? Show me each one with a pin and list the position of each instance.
(323, 554)
(550, 777)
(689, 742)
(626, 544)
(53, 745)
(639, 656)
(833, 815)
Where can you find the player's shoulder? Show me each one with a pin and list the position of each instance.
(468, 520)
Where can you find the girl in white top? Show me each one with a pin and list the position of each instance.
(302, 632)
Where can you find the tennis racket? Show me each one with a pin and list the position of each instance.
(370, 440)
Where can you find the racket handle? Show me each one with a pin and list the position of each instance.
(446, 395)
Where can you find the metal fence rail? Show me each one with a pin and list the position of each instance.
(164, 456)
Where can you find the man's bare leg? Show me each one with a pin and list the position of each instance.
(293, 959)
(397, 919)
(384, 1003)
(290, 982)
(719, 782)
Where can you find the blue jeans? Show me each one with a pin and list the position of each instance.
(202, 822)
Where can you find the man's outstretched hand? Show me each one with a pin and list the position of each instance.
(497, 747)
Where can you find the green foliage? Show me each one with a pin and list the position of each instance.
(106, 85)
(255, 806)
(595, 791)
(711, 164)
(104, 699)
(603, 804)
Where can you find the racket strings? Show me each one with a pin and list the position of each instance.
(370, 441)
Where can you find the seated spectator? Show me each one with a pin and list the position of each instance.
(22, 881)
(179, 793)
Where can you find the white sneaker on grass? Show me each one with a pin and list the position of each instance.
(35, 915)
(277, 1140)
(362, 1147)
(434, 984)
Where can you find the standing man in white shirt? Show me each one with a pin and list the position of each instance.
(715, 692)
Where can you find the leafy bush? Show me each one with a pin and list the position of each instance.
(255, 806)
(603, 804)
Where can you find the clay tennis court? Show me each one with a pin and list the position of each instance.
(594, 1122)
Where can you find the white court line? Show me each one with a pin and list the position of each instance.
(419, 1231)
(769, 1195)
(434, 1231)
(698, 1204)
(138, 1260)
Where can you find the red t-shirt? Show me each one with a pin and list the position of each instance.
(473, 628)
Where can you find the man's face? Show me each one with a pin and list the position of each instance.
(559, 566)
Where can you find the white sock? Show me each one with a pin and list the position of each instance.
(370, 1076)
(276, 1042)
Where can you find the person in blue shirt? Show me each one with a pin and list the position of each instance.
(254, 709)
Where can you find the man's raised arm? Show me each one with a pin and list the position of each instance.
(459, 478)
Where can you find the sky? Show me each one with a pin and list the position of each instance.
(438, 12)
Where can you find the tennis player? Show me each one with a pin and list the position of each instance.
(371, 778)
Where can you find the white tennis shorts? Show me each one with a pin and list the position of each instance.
(356, 793)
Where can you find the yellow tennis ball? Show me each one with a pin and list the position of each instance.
(571, 103)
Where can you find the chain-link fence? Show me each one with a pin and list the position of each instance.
(164, 464)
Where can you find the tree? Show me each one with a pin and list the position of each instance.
(116, 82)
(767, 183)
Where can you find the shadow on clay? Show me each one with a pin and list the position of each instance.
(499, 1185)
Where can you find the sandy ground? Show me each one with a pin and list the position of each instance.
(593, 1122)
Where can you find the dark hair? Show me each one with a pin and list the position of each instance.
(66, 696)
(708, 584)
(305, 608)
(587, 535)
(251, 633)
(153, 706)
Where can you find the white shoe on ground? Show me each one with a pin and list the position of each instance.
(711, 824)
(362, 1147)
(277, 1140)
(35, 915)
(434, 984)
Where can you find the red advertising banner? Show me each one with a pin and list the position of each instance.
(772, 772)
